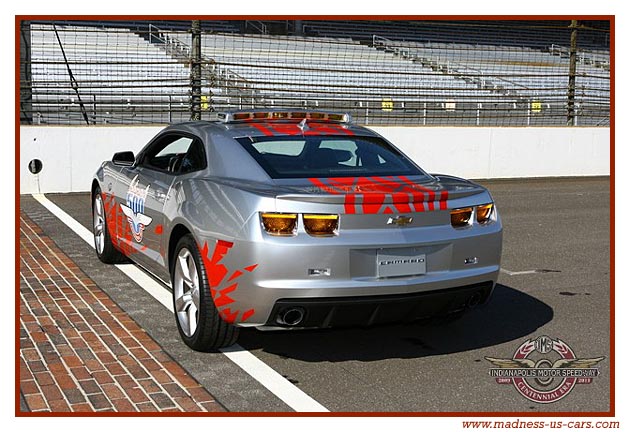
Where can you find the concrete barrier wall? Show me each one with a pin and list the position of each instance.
(506, 152)
(71, 155)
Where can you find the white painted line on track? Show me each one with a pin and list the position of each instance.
(516, 273)
(274, 382)
(256, 368)
(525, 272)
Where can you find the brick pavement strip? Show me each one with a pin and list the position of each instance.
(79, 352)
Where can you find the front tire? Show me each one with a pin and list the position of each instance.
(105, 249)
(198, 321)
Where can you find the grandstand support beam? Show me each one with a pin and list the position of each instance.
(571, 117)
(299, 28)
(74, 84)
(26, 77)
(195, 71)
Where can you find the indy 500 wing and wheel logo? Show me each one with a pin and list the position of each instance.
(134, 210)
(540, 378)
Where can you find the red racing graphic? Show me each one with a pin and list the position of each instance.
(372, 195)
(220, 287)
(271, 128)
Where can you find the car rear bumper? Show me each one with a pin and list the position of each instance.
(254, 277)
(353, 302)
(373, 310)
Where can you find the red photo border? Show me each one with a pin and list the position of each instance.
(611, 18)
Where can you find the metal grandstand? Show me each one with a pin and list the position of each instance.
(471, 73)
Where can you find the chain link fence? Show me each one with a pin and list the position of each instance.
(383, 73)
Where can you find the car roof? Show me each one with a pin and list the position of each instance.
(234, 161)
(270, 128)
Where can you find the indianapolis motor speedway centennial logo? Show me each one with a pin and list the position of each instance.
(134, 210)
(544, 370)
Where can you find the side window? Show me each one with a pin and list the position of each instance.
(179, 146)
(195, 158)
(170, 152)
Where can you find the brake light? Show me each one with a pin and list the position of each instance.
(319, 225)
(484, 212)
(279, 224)
(461, 217)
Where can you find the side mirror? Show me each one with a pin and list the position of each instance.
(125, 158)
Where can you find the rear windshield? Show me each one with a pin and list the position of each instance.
(327, 156)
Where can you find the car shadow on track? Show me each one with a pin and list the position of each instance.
(509, 315)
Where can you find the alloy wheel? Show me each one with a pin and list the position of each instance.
(186, 292)
(99, 224)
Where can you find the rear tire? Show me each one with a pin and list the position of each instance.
(105, 249)
(198, 321)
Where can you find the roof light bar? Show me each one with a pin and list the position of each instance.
(320, 116)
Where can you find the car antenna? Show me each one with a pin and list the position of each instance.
(303, 126)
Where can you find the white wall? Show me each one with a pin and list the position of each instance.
(480, 152)
(72, 154)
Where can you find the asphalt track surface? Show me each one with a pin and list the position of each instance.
(555, 282)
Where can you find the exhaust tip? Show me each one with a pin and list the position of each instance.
(292, 317)
(474, 300)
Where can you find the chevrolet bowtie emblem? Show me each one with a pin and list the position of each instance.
(400, 220)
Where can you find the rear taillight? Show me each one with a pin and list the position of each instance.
(279, 224)
(319, 225)
(461, 217)
(484, 213)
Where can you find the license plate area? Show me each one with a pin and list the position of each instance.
(400, 262)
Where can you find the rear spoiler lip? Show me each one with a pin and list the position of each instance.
(388, 198)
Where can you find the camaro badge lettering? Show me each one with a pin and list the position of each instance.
(402, 261)
(134, 210)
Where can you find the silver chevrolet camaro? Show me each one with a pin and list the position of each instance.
(294, 219)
